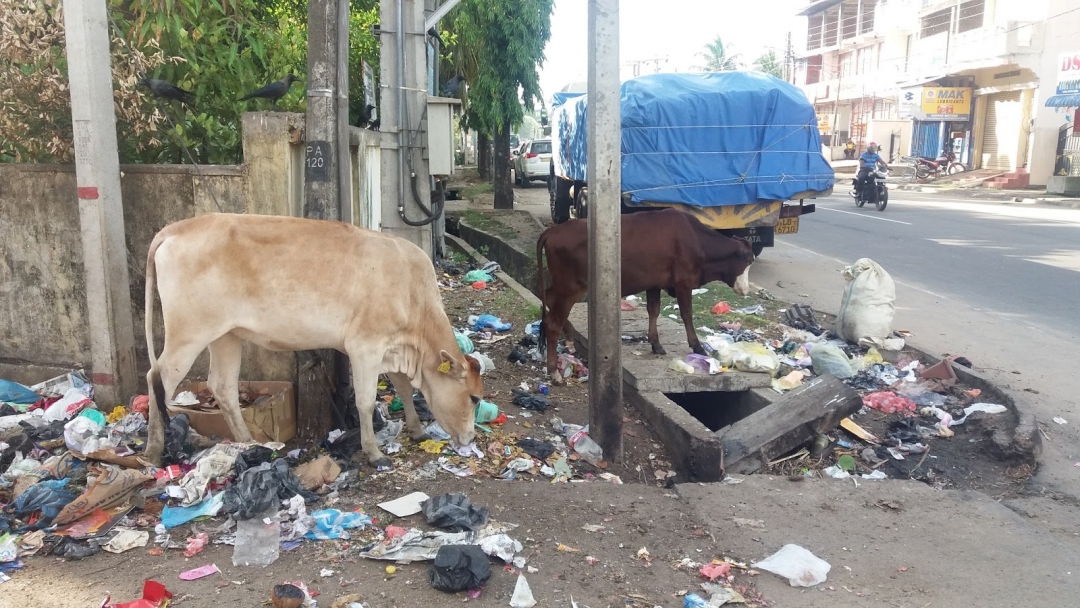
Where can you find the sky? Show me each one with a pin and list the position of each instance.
(673, 29)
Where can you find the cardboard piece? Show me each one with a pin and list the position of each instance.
(110, 456)
(406, 505)
(317, 473)
(112, 487)
(271, 418)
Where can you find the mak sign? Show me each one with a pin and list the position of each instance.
(946, 103)
(936, 103)
(1068, 80)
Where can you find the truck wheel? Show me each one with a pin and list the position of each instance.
(758, 249)
(581, 203)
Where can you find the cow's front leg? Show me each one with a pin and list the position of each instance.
(652, 304)
(686, 309)
(365, 377)
(404, 390)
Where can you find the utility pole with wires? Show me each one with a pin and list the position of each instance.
(101, 211)
(789, 61)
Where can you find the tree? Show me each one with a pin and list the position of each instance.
(718, 57)
(509, 38)
(769, 64)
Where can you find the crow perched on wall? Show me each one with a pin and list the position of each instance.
(273, 91)
(168, 91)
(365, 116)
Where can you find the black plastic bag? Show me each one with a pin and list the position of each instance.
(454, 512)
(420, 404)
(517, 355)
(345, 445)
(260, 488)
(536, 448)
(251, 458)
(70, 549)
(459, 568)
(529, 401)
(176, 438)
(7, 410)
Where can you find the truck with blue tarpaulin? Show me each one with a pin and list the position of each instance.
(739, 150)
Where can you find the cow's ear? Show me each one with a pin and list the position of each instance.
(474, 363)
(450, 363)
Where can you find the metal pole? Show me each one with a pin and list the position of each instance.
(605, 244)
(101, 211)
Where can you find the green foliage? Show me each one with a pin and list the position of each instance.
(226, 50)
(503, 42)
(769, 64)
(718, 57)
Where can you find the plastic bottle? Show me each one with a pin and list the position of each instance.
(579, 440)
(256, 540)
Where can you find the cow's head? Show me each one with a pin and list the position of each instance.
(737, 274)
(454, 389)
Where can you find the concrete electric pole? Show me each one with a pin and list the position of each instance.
(327, 187)
(605, 241)
(101, 211)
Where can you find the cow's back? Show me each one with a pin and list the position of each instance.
(291, 283)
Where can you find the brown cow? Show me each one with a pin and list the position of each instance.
(291, 284)
(665, 249)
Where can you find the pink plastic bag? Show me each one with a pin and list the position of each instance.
(200, 572)
(889, 403)
(195, 544)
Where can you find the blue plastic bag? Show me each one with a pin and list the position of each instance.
(490, 321)
(49, 496)
(13, 392)
(333, 524)
(178, 516)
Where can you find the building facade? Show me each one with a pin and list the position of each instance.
(918, 76)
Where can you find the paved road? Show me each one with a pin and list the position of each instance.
(995, 282)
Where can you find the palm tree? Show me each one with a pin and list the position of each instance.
(718, 58)
(769, 64)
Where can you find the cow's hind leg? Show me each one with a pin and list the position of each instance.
(652, 304)
(404, 390)
(224, 380)
(556, 320)
(171, 367)
(686, 309)
(365, 379)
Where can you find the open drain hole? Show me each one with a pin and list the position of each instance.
(717, 409)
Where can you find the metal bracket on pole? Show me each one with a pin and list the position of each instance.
(434, 18)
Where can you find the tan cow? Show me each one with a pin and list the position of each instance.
(291, 284)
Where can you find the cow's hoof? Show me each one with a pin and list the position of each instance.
(698, 350)
(383, 464)
(422, 437)
(558, 381)
(658, 350)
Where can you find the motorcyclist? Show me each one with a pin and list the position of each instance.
(868, 161)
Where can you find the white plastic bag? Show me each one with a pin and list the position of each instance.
(79, 432)
(868, 307)
(723, 348)
(73, 402)
(829, 359)
(801, 567)
(754, 357)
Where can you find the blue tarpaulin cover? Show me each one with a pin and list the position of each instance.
(708, 140)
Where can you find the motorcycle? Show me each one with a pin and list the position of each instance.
(874, 191)
(945, 164)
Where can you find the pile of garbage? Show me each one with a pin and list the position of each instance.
(918, 401)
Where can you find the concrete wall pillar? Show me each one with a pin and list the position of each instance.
(274, 161)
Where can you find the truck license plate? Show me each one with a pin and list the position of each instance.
(787, 225)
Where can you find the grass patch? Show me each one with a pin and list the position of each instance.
(487, 223)
(471, 191)
(702, 305)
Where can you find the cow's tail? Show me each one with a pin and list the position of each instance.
(540, 244)
(155, 388)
